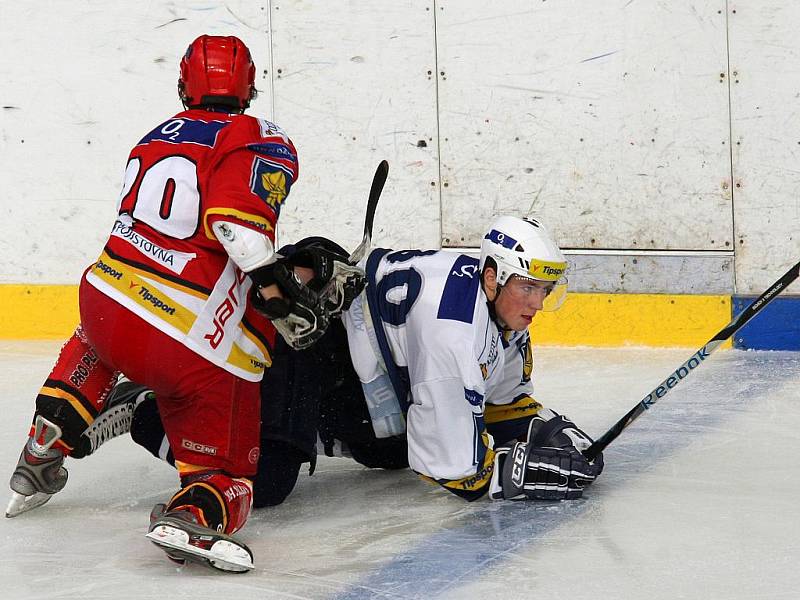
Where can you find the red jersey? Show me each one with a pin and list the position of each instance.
(162, 260)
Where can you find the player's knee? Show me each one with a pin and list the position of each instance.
(385, 453)
(278, 468)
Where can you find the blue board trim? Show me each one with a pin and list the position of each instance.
(776, 327)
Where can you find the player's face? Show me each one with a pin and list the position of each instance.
(520, 300)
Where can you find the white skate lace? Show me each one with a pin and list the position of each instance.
(114, 420)
(110, 424)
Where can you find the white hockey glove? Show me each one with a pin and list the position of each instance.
(548, 466)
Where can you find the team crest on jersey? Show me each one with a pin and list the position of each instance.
(268, 182)
(484, 371)
(527, 361)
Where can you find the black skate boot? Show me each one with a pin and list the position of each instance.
(40, 472)
(115, 419)
(181, 536)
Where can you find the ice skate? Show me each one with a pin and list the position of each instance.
(40, 472)
(116, 417)
(179, 534)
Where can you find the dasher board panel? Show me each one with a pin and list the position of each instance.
(765, 103)
(83, 81)
(609, 120)
(354, 84)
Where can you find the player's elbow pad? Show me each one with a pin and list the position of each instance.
(248, 248)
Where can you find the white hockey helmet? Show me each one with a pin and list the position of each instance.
(523, 247)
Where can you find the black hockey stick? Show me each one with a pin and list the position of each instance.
(334, 291)
(374, 195)
(694, 361)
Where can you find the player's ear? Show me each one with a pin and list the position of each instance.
(489, 280)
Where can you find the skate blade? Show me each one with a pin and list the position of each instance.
(20, 504)
(222, 555)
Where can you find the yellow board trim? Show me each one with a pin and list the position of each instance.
(51, 312)
(660, 320)
(42, 312)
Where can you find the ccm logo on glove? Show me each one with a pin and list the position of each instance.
(518, 470)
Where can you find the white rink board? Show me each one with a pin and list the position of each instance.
(86, 80)
(609, 121)
(765, 121)
(354, 85)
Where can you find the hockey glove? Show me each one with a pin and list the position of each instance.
(299, 316)
(549, 466)
(335, 279)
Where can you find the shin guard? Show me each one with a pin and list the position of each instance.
(74, 392)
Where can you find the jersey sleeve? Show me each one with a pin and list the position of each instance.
(251, 180)
(447, 437)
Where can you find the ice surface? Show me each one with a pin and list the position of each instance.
(697, 501)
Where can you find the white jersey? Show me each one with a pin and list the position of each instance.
(448, 361)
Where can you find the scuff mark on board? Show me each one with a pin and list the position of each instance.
(600, 56)
(242, 21)
(171, 22)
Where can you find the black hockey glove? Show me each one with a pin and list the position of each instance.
(549, 466)
(336, 281)
(299, 316)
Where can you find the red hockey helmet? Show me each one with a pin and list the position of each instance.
(217, 70)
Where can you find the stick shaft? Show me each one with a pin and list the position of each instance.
(693, 362)
(375, 190)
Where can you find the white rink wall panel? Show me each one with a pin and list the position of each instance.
(765, 122)
(83, 82)
(606, 119)
(629, 127)
(354, 84)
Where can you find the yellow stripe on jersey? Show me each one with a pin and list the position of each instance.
(172, 283)
(72, 399)
(473, 486)
(258, 343)
(241, 359)
(122, 278)
(256, 220)
(520, 408)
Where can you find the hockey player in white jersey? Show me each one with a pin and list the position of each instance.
(440, 340)
(437, 377)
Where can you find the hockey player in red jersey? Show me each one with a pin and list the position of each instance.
(434, 371)
(175, 302)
